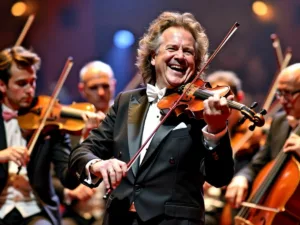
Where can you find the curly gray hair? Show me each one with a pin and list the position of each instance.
(151, 41)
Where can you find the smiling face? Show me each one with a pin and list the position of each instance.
(174, 60)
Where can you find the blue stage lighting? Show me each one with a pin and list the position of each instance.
(123, 39)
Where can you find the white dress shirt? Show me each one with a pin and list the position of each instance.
(17, 192)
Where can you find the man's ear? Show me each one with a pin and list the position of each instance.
(153, 55)
(81, 89)
(3, 87)
(240, 96)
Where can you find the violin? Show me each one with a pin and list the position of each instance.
(64, 117)
(192, 102)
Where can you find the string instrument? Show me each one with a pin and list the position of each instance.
(267, 184)
(192, 102)
(275, 196)
(242, 142)
(63, 117)
(249, 147)
(194, 90)
(25, 30)
(49, 107)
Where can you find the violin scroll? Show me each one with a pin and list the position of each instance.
(257, 118)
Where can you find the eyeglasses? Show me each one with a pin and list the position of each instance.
(287, 95)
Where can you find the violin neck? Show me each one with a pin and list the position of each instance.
(68, 112)
(202, 94)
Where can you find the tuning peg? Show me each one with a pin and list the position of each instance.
(252, 127)
(263, 112)
(242, 120)
(253, 105)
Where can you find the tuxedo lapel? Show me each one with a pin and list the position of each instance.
(161, 134)
(136, 118)
(3, 145)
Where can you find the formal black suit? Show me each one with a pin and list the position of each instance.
(169, 180)
(278, 134)
(54, 148)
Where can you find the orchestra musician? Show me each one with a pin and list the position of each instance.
(86, 206)
(27, 197)
(243, 156)
(162, 187)
(280, 137)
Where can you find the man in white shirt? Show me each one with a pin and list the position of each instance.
(164, 185)
(27, 197)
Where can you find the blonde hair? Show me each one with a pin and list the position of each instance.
(151, 41)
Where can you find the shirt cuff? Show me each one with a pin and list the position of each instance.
(67, 200)
(212, 140)
(89, 178)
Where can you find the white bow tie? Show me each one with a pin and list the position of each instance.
(154, 93)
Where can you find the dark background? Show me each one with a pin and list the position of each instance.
(84, 29)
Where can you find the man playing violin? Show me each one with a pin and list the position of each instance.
(162, 186)
(27, 197)
(280, 137)
(97, 86)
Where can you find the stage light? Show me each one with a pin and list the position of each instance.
(19, 8)
(260, 8)
(123, 39)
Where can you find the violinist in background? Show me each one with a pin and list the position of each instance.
(97, 84)
(279, 138)
(27, 197)
(214, 197)
(243, 155)
(86, 206)
(162, 186)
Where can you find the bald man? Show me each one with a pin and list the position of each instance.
(97, 84)
(280, 137)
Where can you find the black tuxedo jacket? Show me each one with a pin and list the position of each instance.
(54, 148)
(278, 134)
(170, 178)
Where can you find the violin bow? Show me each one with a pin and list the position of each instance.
(277, 47)
(227, 37)
(25, 30)
(59, 84)
(218, 49)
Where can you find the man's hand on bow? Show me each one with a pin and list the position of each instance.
(17, 154)
(112, 171)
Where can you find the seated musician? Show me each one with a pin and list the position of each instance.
(280, 137)
(214, 198)
(27, 197)
(86, 206)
